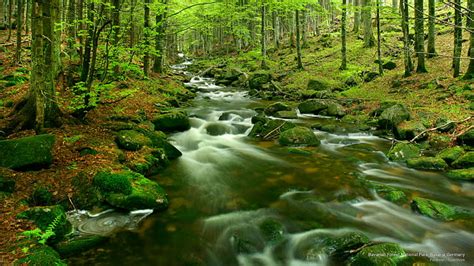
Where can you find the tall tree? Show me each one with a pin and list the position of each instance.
(357, 12)
(146, 56)
(343, 36)
(158, 65)
(71, 38)
(10, 23)
(369, 40)
(457, 37)
(419, 37)
(379, 37)
(263, 37)
(431, 28)
(19, 24)
(470, 24)
(406, 38)
(298, 40)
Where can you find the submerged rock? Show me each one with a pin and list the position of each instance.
(286, 114)
(403, 151)
(130, 191)
(172, 121)
(390, 193)
(449, 155)
(427, 163)
(298, 136)
(393, 116)
(464, 161)
(379, 254)
(44, 217)
(276, 107)
(217, 129)
(79, 244)
(27, 153)
(461, 174)
(438, 210)
(270, 129)
(272, 230)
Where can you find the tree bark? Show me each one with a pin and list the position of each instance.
(470, 23)
(406, 39)
(379, 37)
(457, 38)
(146, 56)
(343, 36)
(431, 29)
(263, 37)
(10, 24)
(71, 38)
(357, 12)
(369, 40)
(158, 66)
(298, 41)
(419, 37)
(19, 24)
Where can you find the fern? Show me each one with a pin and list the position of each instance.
(43, 236)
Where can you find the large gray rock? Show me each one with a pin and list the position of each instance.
(393, 116)
(27, 153)
(313, 106)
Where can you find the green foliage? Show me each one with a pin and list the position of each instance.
(41, 196)
(72, 139)
(113, 183)
(43, 236)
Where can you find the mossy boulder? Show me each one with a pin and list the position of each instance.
(272, 230)
(314, 106)
(461, 174)
(335, 109)
(466, 138)
(42, 255)
(403, 151)
(172, 121)
(159, 141)
(464, 161)
(427, 163)
(390, 193)
(270, 129)
(389, 65)
(407, 130)
(132, 140)
(286, 114)
(6, 185)
(258, 80)
(43, 217)
(317, 85)
(335, 246)
(217, 129)
(298, 136)
(149, 162)
(27, 153)
(79, 244)
(41, 196)
(276, 107)
(393, 116)
(130, 191)
(379, 254)
(449, 155)
(438, 210)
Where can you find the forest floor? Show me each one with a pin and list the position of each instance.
(140, 98)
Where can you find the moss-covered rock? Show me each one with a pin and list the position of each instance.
(438, 210)
(427, 163)
(258, 80)
(41, 256)
(317, 85)
(270, 129)
(298, 136)
(464, 161)
(461, 174)
(449, 155)
(314, 106)
(132, 140)
(393, 116)
(286, 114)
(379, 254)
(172, 121)
(78, 245)
(335, 246)
(276, 107)
(6, 185)
(403, 151)
(27, 153)
(134, 192)
(407, 130)
(217, 129)
(149, 163)
(335, 109)
(41, 196)
(43, 217)
(466, 138)
(159, 141)
(390, 193)
(272, 230)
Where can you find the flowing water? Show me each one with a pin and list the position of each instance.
(226, 185)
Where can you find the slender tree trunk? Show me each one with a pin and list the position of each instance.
(276, 29)
(298, 44)
(19, 24)
(356, 15)
(406, 38)
(88, 42)
(158, 66)
(132, 23)
(343, 36)
(419, 37)
(80, 17)
(369, 40)
(27, 16)
(304, 29)
(431, 29)
(457, 38)
(10, 24)
(470, 24)
(71, 38)
(146, 56)
(263, 40)
(395, 5)
(379, 37)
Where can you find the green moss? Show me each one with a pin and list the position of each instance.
(114, 182)
(85, 196)
(272, 230)
(41, 196)
(461, 174)
(464, 161)
(77, 245)
(42, 256)
(6, 185)
(393, 116)
(449, 155)
(427, 163)
(276, 107)
(173, 121)
(270, 129)
(438, 210)
(337, 245)
(44, 217)
(380, 254)
(132, 140)
(403, 151)
(407, 130)
(298, 136)
(27, 153)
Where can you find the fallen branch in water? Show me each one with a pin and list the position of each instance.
(436, 128)
(271, 132)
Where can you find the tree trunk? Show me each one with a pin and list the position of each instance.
(379, 37)
(276, 29)
(406, 38)
(419, 37)
(395, 5)
(304, 29)
(10, 24)
(71, 39)
(457, 38)
(431, 29)
(357, 12)
(263, 39)
(298, 44)
(86, 60)
(19, 24)
(27, 17)
(369, 40)
(158, 66)
(80, 17)
(343, 36)
(146, 56)
(470, 24)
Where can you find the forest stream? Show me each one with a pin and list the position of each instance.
(228, 193)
